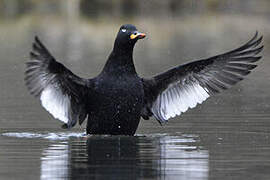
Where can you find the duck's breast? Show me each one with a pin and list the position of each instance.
(116, 106)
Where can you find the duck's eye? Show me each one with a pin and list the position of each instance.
(124, 30)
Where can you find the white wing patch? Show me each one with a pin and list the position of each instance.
(56, 103)
(177, 98)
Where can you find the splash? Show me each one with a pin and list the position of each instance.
(49, 136)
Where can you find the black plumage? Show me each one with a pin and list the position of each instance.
(115, 100)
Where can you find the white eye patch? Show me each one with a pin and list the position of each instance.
(123, 30)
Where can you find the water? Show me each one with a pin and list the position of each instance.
(110, 157)
(227, 137)
(73, 155)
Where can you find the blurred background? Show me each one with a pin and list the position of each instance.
(232, 128)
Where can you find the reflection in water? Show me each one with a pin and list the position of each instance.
(183, 158)
(115, 157)
(55, 162)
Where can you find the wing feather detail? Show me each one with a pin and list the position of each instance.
(60, 91)
(175, 91)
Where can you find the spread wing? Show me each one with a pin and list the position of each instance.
(60, 91)
(173, 92)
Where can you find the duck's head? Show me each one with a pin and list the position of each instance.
(127, 36)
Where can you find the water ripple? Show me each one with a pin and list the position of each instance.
(49, 136)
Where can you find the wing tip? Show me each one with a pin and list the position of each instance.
(38, 47)
(36, 37)
(37, 40)
(254, 42)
